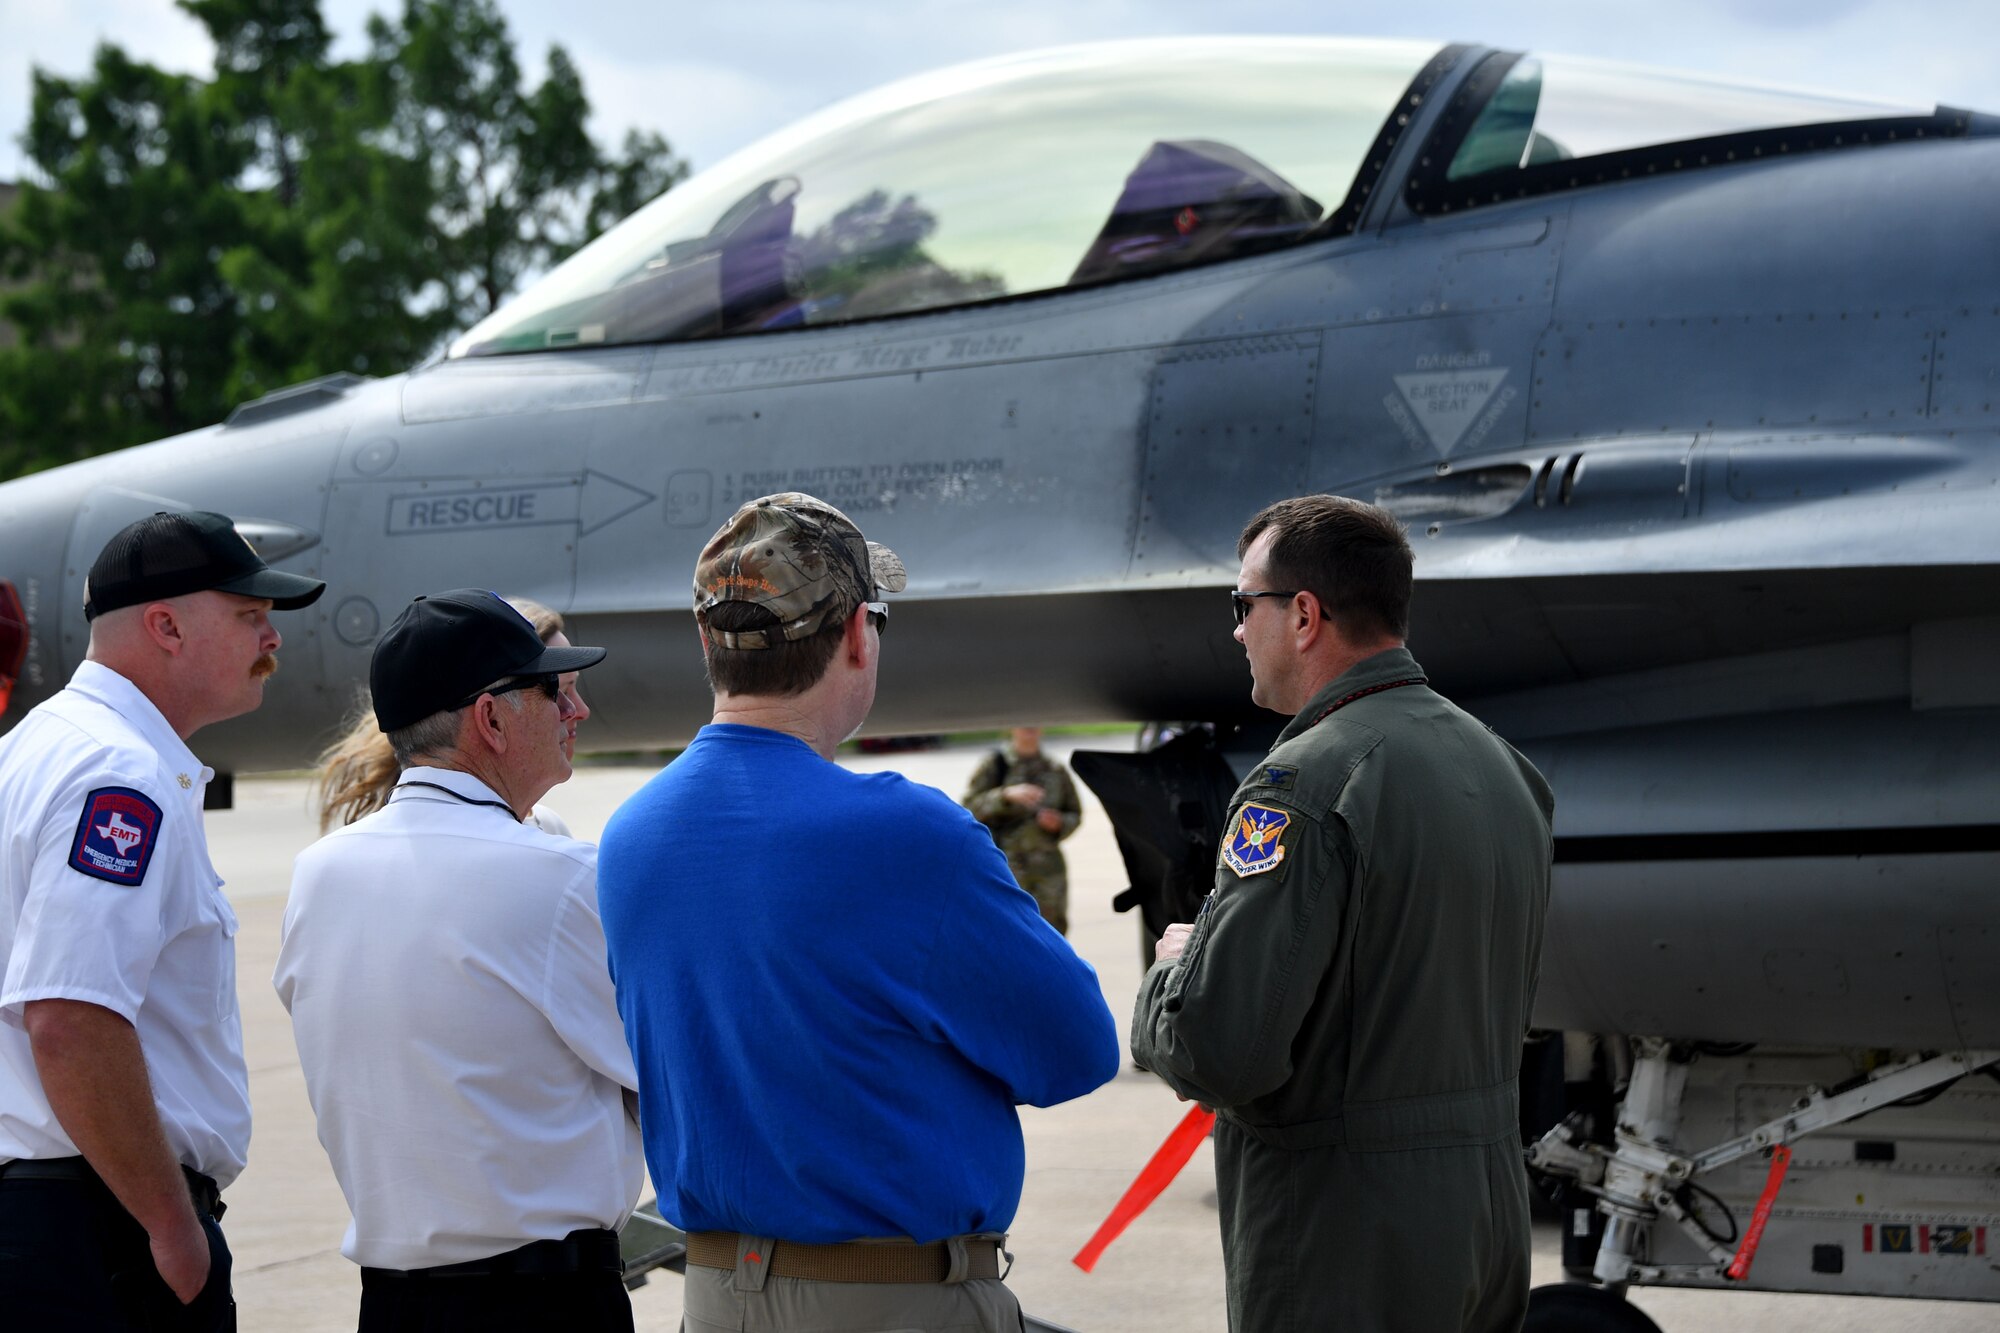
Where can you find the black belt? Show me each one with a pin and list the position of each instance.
(587, 1251)
(202, 1189)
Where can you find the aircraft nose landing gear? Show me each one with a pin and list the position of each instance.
(1577, 1307)
(1629, 1182)
(1644, 1178)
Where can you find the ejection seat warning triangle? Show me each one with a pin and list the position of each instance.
(1447, 402)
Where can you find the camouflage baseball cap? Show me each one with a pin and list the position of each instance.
(799, 558)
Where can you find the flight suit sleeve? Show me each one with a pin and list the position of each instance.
(1545, 797)
(100, 901)
(1219, 1023)
(1008, 992)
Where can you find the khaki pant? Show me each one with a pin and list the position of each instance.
(750, 1301)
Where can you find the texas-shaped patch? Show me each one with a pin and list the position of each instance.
(1255, 844)
(116, 836)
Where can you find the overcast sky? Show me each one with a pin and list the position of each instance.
(713, 77)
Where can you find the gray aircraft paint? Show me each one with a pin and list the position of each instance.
(1703, 472)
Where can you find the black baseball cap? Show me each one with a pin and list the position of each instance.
(172, 554)
(447, 645)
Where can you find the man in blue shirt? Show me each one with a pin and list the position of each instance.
(835, 993)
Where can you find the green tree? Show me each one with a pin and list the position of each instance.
(265, 51)
(125, 322)
(191, 244)
(341, 270)
(516, 180)
(645, 170)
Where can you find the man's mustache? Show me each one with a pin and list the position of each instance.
(267, 665)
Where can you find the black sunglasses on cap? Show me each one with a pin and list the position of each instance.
(550, 684)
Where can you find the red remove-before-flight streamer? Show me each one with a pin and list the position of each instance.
(1153, 1177)
(1753, 1235)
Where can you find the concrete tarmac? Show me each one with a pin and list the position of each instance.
(286, 1216)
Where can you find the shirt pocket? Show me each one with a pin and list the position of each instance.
(219, 926)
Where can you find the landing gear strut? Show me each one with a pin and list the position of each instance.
(1642, 1177)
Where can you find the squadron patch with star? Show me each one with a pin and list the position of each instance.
(1256, 844)
(116, 836)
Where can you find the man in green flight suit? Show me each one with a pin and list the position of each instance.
(1028, 802)
(1352, 997)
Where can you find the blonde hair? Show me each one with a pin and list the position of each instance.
(358, 771)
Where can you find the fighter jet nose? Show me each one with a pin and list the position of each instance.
(13, 641)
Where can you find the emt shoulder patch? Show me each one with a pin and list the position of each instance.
(116, 836)
(1256, 844)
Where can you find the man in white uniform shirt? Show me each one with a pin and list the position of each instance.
(124, 1102)
(445, 971)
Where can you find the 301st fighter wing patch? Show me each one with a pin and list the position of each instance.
(116, 836)
(1256, 843)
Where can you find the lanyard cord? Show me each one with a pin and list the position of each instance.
(457, 796)
(1341, 703)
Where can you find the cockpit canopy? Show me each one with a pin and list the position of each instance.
(1079, 166)
(1017, 175)
(1533, 111)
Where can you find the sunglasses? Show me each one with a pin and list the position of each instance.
(550, 685)
(878, 615)
(1240, 602)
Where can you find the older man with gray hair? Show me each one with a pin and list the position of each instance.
(444, 967)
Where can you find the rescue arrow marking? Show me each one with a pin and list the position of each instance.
(591, 502)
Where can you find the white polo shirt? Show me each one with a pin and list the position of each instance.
(107, 896)
(446, 974)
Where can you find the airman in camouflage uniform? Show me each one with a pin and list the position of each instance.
(1028, 801)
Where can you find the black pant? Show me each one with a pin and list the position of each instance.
(72, 1260)
(557, 1286)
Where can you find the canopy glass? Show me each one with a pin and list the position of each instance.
(1011, 176)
